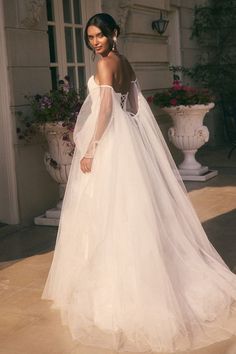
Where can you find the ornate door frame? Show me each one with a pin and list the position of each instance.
(9, 212)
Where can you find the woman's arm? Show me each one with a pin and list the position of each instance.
(105, 77)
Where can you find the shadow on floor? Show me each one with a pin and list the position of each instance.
(226, 177)
(27, 242)
(216, 159)
(221, 232)
(33, 240)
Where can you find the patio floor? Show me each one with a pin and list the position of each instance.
(29, 326)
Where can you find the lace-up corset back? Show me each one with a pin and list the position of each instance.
(122, 96)
(123, 99)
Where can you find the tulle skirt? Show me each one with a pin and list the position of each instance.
(133, 269)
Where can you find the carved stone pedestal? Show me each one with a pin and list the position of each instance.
(57, 162)
(189, 134)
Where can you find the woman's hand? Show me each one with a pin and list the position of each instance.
(86, 164)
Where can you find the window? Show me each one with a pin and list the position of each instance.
(66, 45)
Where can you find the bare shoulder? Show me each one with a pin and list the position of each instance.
(104, 71)
(130, 69)
(103, 63)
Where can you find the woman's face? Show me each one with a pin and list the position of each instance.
(98, 41)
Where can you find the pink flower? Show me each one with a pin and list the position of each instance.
(173, 102)
(149, 99)
(186, 88)
(176, 85)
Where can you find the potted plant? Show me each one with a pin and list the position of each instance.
(54, 115)
(187, 107)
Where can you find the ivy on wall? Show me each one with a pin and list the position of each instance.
(214, 28)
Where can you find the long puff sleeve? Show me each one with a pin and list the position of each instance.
(103, 119)
(93, 120)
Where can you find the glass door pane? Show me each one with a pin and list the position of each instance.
(67, 11)
(77, 12)
(50, 10)
(71, 74)
(52, 44)
(69, 44)
(79, 45)
(54, 77)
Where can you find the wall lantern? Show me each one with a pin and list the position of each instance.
(160, 25)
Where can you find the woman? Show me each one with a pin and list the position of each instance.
(133, 269)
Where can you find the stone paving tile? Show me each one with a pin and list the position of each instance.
(40, 337)
(22, 242)
(11, 322)
(226, 347)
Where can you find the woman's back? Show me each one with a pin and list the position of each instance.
(120, 70)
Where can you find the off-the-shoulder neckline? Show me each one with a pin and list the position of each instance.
(120, 93)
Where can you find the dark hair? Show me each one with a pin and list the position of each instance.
(105, 23)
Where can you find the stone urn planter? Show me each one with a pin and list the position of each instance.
(54, 114)
(57, 161)
(188, 134)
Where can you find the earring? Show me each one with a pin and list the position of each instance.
(114, 43)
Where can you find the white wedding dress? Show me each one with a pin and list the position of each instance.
(133, 269)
